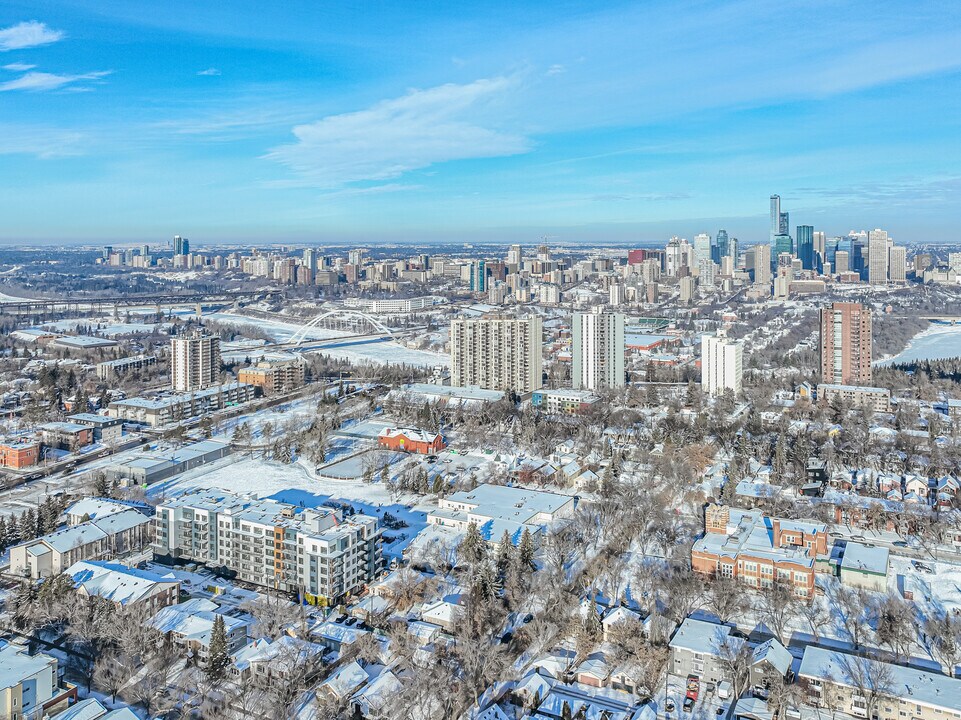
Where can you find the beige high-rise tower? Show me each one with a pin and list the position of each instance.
(497, 353)
(194, 361)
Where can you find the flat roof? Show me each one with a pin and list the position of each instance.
(861, 558)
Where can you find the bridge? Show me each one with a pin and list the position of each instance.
(356, 328)
(29, 306)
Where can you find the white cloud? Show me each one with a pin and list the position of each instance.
(27, 35)
(18, 67)
(39, 81)
(212, 71)
(423, 127)
(43, 142)
(556, 69)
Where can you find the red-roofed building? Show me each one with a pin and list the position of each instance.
(411, 440)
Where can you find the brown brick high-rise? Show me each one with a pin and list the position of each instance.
(846, 344)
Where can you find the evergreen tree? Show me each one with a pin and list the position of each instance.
(472, 548)
(525, 550)
(4, 538)
(505, 553)
(438, 486)
(28, 525)
(219, 658)
(23, 602)
(592, 623)
(384, 474)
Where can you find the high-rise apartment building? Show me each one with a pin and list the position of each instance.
(497, 353)
(846, 344)
(181, 245)
(805, 246)
(314, 552)
(194, 361)
(721, 364)
(784, 224)
(515, 256)
(478, 276)
(598, 350)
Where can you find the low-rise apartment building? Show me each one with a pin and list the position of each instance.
(112, 368)
(851, 684)
(105, 429)
(274, 376)
(498, 508)
(124, 587)
(759, 550)
(103, 538)
(190, 625)
(563, 402)
(315, 552)
(857, 396)
(66, 435)
(29, 686)
(174, 408)
(699, 647)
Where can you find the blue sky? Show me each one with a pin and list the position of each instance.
(445, 121)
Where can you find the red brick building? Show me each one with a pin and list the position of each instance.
(411, 440)
(759, 550)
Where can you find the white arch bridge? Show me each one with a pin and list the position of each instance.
(352, 323)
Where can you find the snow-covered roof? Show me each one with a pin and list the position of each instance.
(700, 636)
(96, 507)
(862, 558)
(412, 434)
(16, 665)
(115, 582)
(347, 680)
(773, 652)
(193, 620)
(917, 686)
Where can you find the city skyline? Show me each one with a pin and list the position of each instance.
(413, 124)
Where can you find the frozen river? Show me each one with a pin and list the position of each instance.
(935, 343)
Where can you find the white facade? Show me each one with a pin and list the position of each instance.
(721, 364)
(598, 350)
(271, 543)
(194, 361)
(497, 353)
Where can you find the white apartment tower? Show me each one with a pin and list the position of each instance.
(194, 361)
(598, 350)
(497, 353)
(721, 363)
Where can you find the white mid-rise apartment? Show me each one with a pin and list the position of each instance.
(194, 361)
(497, 353)
(294, 549)
(721, 364)
(597, 350)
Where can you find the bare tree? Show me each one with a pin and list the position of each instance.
(943, 636)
